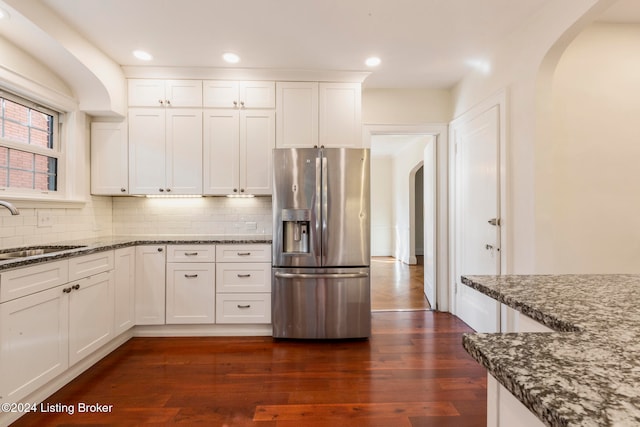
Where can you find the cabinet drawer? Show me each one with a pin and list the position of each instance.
(28, 280)
(243, 277)
(243, 253)
(243, 308)
(191, 253)
(89, 265)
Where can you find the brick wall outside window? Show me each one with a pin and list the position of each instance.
(20, 168)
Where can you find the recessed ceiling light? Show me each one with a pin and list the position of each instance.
(142, 55)
(373, 61)
(231, 58)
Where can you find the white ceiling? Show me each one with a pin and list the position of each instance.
(422, 43)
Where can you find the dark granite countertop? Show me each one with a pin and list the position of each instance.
(585, 374)
(98, 244)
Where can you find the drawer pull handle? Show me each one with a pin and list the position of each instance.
(190, 276)
(76, 287)
(191, 254)
(244, 275)
(244, 253)
(244, 306)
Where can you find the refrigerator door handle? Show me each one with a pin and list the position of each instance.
(325, 207)
(281, 275)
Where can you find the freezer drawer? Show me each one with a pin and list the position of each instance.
(321, 303)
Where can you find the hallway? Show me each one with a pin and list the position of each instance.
(396, 285)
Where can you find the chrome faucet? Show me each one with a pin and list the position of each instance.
(12, 209)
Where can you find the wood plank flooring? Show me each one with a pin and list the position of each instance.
(413, 371)
(396, 285)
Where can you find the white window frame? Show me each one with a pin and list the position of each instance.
(56, 152)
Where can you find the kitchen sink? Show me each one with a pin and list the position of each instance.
(24, 253)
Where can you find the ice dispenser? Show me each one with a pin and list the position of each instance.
(296, 230)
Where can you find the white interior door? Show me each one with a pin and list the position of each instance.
(477, 240)
(430, 222)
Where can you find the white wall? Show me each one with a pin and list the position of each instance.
(90, 216)
(518, 66)
(381, 206)
(406, 106)
(592, 218)
(405, 162)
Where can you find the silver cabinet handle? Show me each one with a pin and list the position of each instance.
(123, 190)
(191, 254)
(241, 104)
(190, 276)
(168, 102)
(244, 275)
(244, 253)
(321, 275)
(161, 101)
(244, 306)
(161, 190)
(235, 104)
(168, 190)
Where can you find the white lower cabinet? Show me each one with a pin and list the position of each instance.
(191, 287)
(124, 289)
(90, 315)
(150, 285)
(191, 293)
(243, 283)
(45, 332)
(34, 342)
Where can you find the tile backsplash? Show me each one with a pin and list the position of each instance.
(137, 216)
(93, 219)
(191, 216)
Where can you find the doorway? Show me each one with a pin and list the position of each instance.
(398, 221)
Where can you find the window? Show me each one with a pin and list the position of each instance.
(29, 151)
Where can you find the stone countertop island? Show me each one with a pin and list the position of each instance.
(587, 372)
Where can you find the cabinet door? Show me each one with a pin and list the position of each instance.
(220, 94)
(146, 93)
(150, 285)
(340, 115)
(34, 342)
(183, 93)
(257, 141)
(109, 158)
(296, 114)
(146, 151)
(191, 293)
(124, 289)
(256, 94)
(90, 315)
(221, 152)
(184, 151)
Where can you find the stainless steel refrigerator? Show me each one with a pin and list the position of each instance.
(321, 243)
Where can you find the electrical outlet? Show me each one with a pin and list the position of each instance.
(45, 219)
(251, 225)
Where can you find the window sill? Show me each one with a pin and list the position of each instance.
(27, 202)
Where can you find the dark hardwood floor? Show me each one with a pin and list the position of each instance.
(413, 371)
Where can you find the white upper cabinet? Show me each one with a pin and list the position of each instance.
(109, 158)
(318, 114)
(237, 151)
(165, 151)
(165, 93)
(340, 121)
(238, 94)
(296, 114)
